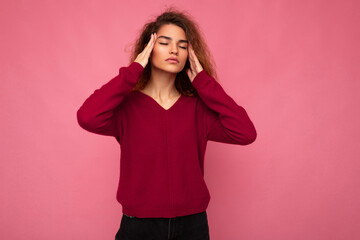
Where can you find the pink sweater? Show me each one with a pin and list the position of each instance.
(162, 151)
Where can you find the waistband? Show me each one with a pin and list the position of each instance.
(174, 217)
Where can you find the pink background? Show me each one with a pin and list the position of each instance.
(293, 65)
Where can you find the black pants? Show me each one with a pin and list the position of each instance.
(190, 227)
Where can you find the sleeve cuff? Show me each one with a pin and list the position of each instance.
(199, 77)
(136, 69)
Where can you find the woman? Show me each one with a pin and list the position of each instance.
(162, 109)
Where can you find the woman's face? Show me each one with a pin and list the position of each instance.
(171, 41)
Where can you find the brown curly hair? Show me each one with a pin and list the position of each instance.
(182, 19)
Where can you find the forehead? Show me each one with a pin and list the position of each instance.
(173, 31)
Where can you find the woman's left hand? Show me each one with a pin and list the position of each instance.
(195, 66)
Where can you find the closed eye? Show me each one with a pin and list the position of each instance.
(167, 44)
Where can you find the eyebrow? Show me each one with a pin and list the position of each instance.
(169, 38)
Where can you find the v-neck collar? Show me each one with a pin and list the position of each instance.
(156, 103)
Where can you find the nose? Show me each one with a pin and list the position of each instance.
(174, 49)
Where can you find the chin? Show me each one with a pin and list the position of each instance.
(170, 68)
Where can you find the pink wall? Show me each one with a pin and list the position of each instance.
(293, 65)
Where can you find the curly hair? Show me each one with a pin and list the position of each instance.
(193, 33)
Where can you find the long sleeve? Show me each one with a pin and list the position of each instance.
(97, 114)
(225, 121)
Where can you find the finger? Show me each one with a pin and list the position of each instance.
(154, 40)
(150, 40)
(191, 48)
(195, 59)
(149, 45)
(190, 55)
(193, 55)
(152, 43)
(146, 46)
(191, 59)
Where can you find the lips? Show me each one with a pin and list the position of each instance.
(172, 59)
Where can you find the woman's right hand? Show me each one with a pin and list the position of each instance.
(143, 57)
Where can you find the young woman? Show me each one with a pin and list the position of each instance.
(162, 109)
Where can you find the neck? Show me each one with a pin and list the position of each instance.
(161, 84)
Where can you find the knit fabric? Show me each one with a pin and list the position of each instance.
(162, 151)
